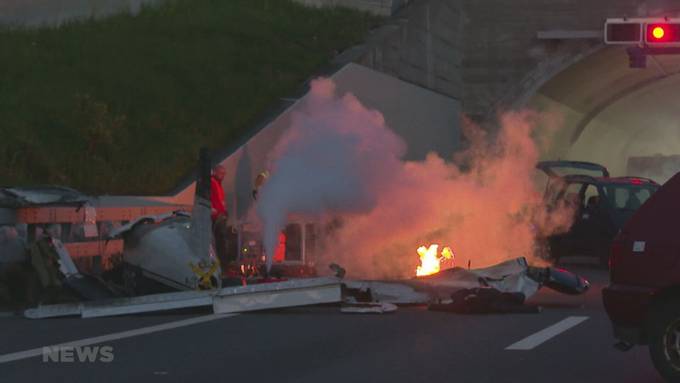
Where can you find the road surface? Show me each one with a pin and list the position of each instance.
(570, 341)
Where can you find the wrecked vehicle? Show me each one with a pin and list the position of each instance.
(158, 256)
(501, 288)
(514, 276)
(601, 206)
(108, 259)
(57, 243)
(172, 250)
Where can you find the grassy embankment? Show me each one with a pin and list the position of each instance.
(121, 105)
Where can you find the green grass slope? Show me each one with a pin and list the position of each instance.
(121, 105)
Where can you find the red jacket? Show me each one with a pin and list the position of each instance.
(217, 198)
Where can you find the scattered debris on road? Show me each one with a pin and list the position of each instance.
(502, 288)
(368, 308)
(168, 263)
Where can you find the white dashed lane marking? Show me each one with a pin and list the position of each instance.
(535, 340)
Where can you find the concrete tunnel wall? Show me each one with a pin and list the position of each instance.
(488, 55)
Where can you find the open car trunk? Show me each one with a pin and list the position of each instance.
(556, 169)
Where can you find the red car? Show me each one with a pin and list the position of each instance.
(643, 297)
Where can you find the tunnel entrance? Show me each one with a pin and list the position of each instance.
(626, 119)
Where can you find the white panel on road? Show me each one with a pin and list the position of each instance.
(311, 291)
(546, 334)
(124, 306)
(306, 291)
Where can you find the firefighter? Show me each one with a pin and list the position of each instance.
(219, 215)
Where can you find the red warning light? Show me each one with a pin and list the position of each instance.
(658, 32)
(662, 33)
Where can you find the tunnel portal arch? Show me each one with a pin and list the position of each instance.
(610, 113)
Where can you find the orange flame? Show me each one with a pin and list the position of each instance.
(430, 262)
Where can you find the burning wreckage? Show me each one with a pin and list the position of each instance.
(502, 288)
(168, 263)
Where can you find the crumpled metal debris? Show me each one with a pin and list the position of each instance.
(55, 269)
(560, 280)
(399, 293)
(18, 197)
(513, 276)
(368, 308)
(501, 288)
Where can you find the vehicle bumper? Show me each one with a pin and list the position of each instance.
(627, 308)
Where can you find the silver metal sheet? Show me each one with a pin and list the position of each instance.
(232, 299)
(123, 308)
(509, 276)
(369, 308)
(263, 300)
(53, 311)
(276, 286)
(391, 292)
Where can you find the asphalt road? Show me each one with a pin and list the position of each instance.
(320, 344)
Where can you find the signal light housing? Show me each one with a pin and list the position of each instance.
(662, 34)
(644, 36)
(621, 32)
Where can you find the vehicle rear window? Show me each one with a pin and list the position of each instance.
(628, 197)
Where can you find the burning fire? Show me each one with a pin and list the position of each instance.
(430, 261)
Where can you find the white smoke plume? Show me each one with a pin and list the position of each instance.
(336, 158)
(340, 160)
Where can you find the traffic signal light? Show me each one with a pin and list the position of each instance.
(623, 32)
(662, 34)
(645, 36)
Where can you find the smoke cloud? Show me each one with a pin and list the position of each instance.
(337, 157)
(341, 164)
